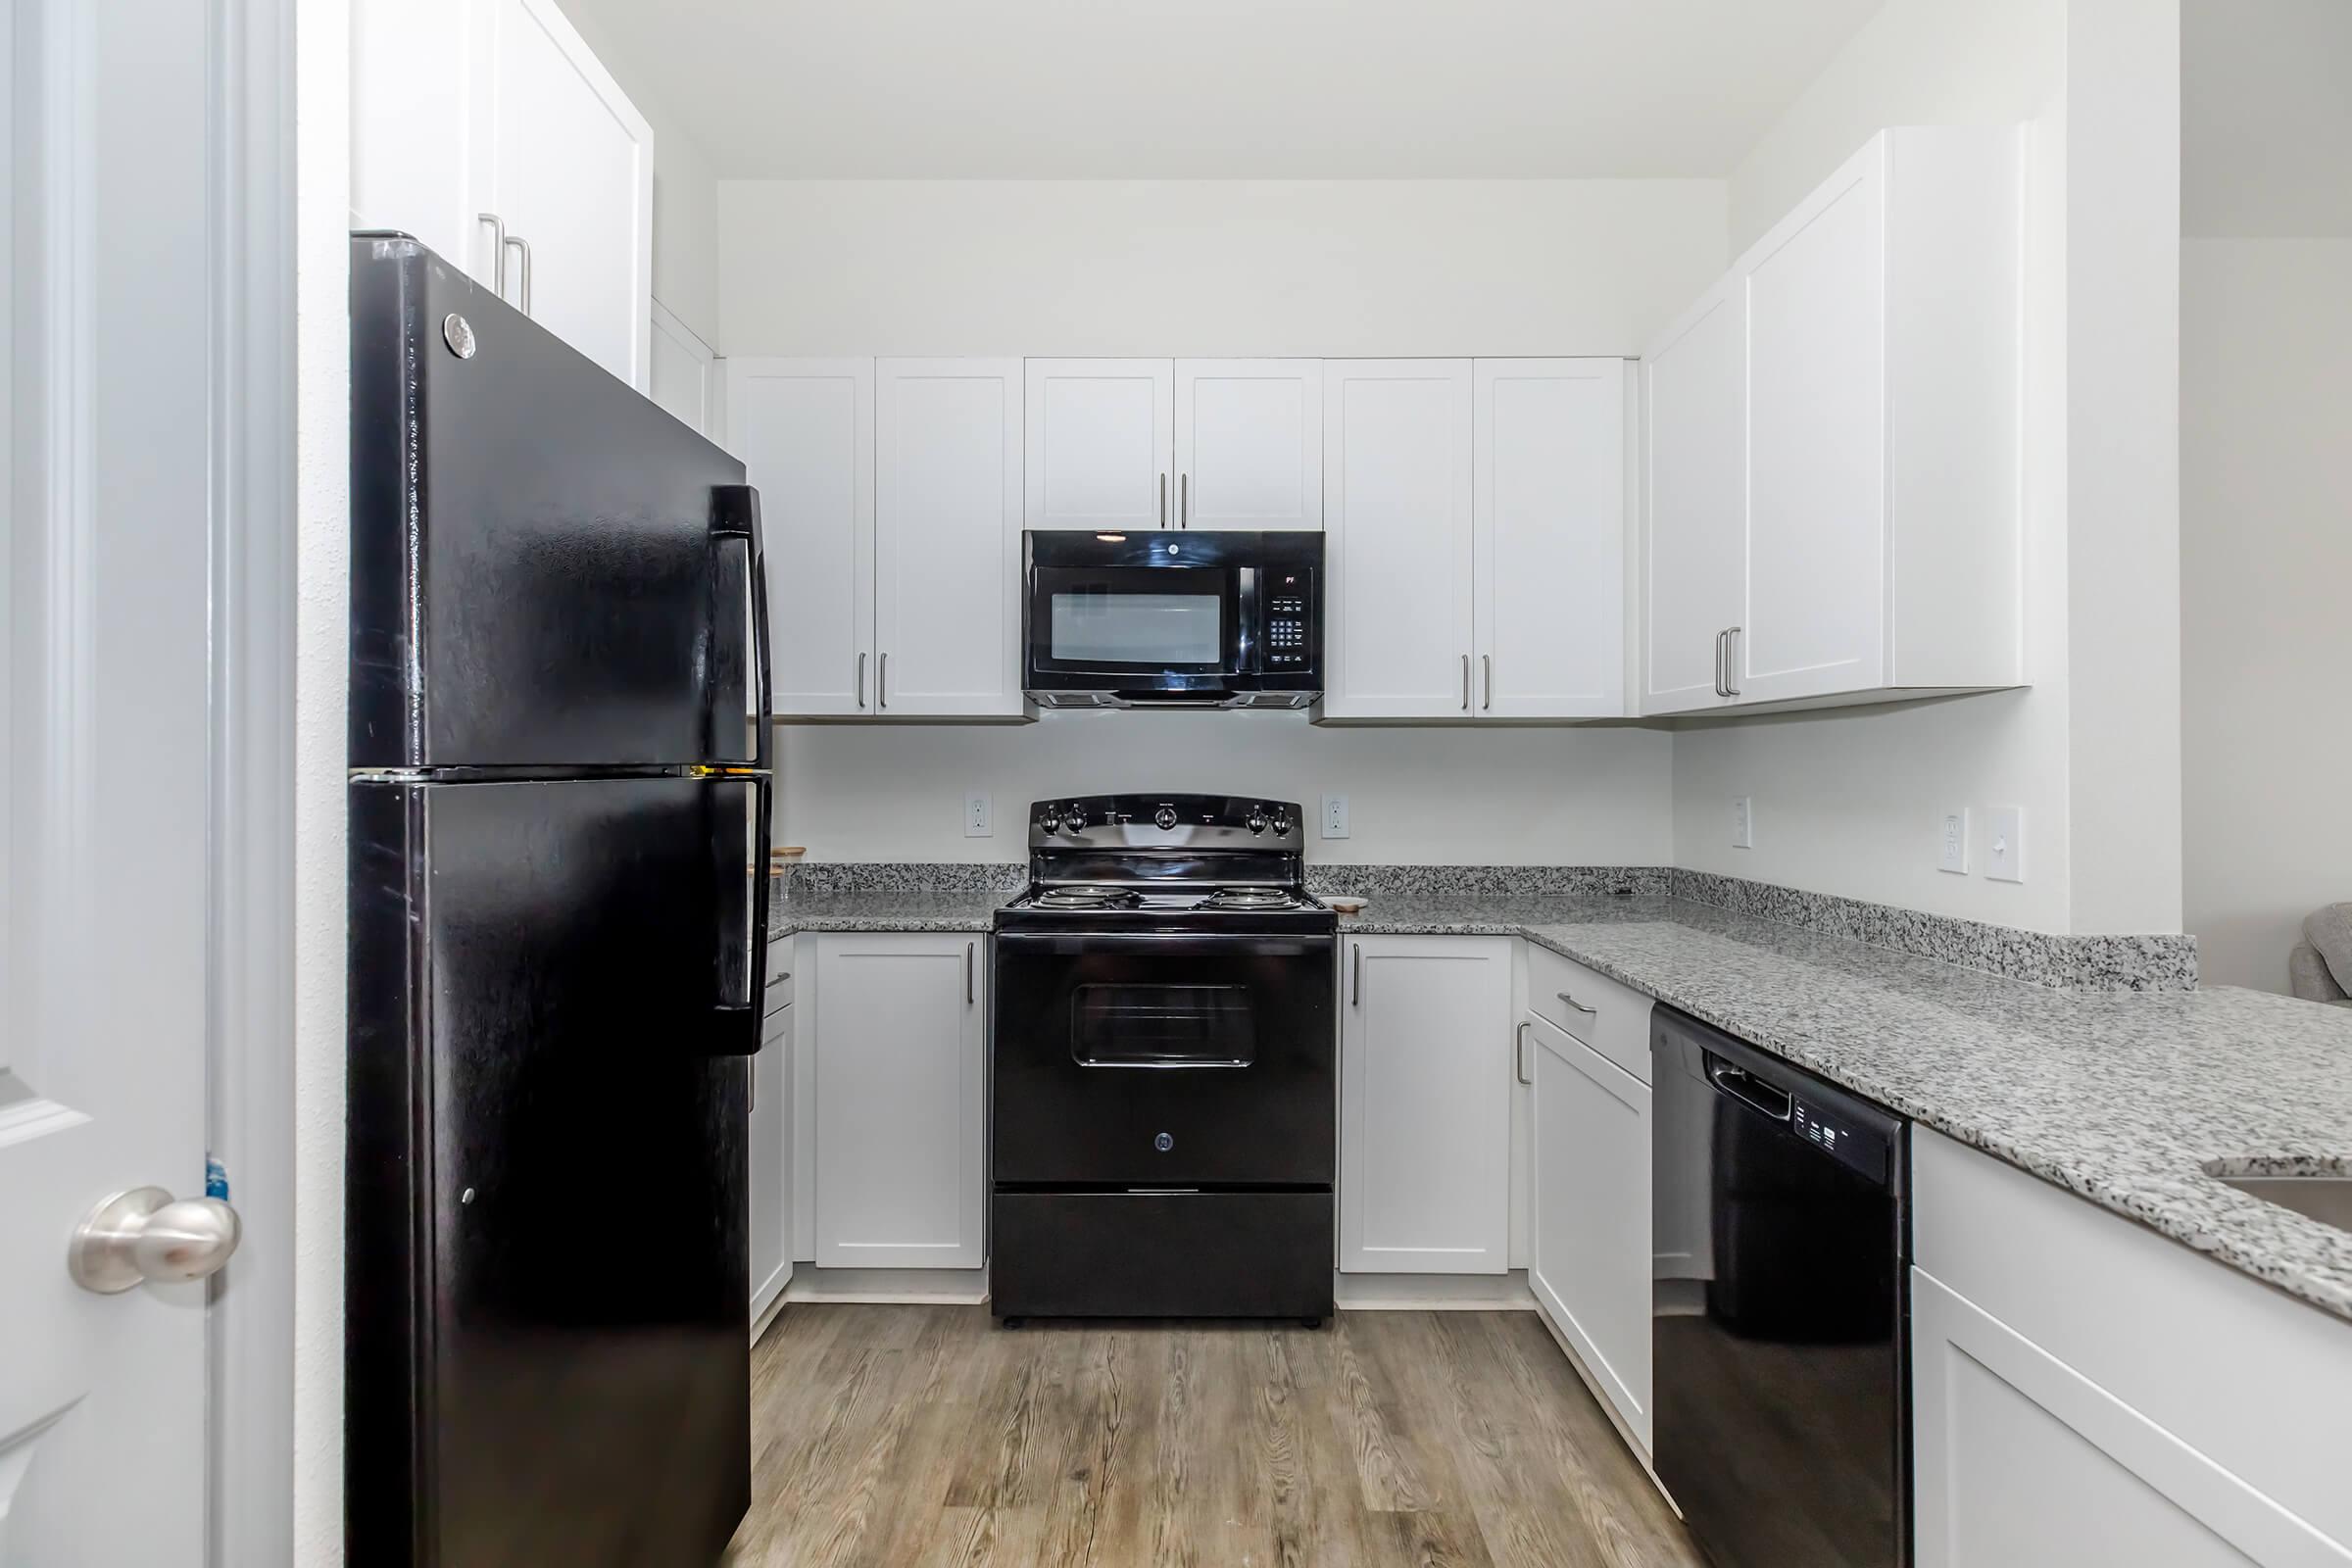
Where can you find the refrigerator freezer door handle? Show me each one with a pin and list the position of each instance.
(735, 514)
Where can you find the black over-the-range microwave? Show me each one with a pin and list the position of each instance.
(1172, 619)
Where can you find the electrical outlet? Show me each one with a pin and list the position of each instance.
(2005, 843)
(977, 823)
(1743, 823)
(1951, 843)
(1334, 816)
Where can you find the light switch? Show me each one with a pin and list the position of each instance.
(1951, 842)
(2005, 843)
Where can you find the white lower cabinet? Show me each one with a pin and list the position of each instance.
(2085, 1390)
(1588, 1255)
(901, 1106)
(769, 1155)
(1425, 1104)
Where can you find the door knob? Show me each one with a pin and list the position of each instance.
(144, 1234)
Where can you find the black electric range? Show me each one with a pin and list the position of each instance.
(1165, 1065)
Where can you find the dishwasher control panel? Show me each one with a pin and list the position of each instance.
(1863, 1149)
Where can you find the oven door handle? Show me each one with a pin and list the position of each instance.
(1163, 944)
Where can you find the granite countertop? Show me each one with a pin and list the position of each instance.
(2126, 1098)
(897, 910)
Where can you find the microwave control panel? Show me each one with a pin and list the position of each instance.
(1290, 619)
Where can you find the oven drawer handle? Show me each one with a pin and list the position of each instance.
(1158, 1067)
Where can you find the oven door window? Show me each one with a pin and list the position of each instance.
(1162, 1026)
(1135, 619)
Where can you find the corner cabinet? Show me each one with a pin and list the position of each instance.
(1833, 506)
(900, 1040)
(1475, 520)
(491, 131)
(1141, 444)
(1425, 1104)
(2086, 1390)
(889, 501)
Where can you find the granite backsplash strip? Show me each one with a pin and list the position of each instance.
(826, 877)
(2084, 962)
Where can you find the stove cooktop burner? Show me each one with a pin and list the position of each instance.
(1081, 898)
(1249, 899)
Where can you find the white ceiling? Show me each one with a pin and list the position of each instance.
(2265, 117)
(1222, 88)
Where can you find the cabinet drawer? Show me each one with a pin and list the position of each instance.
(779, 976)
(1611, 1019)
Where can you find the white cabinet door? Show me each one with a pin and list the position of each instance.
(1425, 1105)
(411, 71)
(1695, 490)
(685, 373)
(567, 162)
(1550, 527)
(1248, 443)
(1815, 618)
(901, 1104)
(1396, 507)
(1099, 437)
(2020, 1461)
(948, 538)
(805, 430)
(769, 1161)
(1588, 1253)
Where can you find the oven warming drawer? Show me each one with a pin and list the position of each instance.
(1161, 1254)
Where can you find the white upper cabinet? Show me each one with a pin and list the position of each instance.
(805, 430)
(466, 108)
(1248, 443)
(1425, 1105)
(1869, 346)
(1397, 508)
(1550, 496)
(685, 375)
(948, 538)
(1695, 549)
(566, 163)
(1099, 436)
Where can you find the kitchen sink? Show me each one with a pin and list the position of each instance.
(2326, 1198)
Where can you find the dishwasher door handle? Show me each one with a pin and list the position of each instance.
(1749, 1090)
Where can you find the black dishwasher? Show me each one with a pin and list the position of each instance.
(1781, 1423)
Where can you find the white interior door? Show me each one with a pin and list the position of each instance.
(948, 538)
(1397, 508)
(1098, 438)
(105, 756)
(567, 161)
(1249, 443)
(1551, 538)
(805, 430)
(1693, 536)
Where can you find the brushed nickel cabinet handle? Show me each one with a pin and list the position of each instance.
(1465, 683)
(1184, 501)
(968, 967)
(1519, 1056)
(498, 252)
(1730, 662)
(1485, 665)
(1355, 995)
(1163, 500)
(882, 682)
(861, 680)
(523, 292)
(1573, 1003)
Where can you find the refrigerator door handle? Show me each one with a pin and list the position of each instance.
(735, 514)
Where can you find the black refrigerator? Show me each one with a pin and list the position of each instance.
(559, 806)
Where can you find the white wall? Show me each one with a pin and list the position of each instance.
(1211, 267)
(1220, 267)
(2266, 606)
(322, 752)
(1498, 796)
(1848, 802)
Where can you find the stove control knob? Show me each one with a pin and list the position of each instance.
(1074, 822)
(1256, 822)
(1282, 824)
(1164, 819)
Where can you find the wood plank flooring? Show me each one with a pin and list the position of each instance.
(920, 1437)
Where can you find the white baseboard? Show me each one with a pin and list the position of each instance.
(1433, 1293)
(890, 1286)
(763, 1317)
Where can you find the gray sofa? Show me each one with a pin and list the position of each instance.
(2319, 968)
